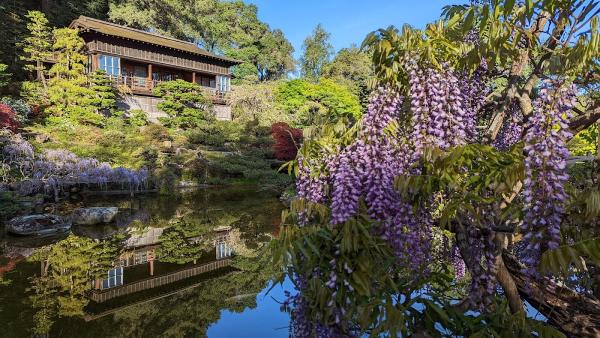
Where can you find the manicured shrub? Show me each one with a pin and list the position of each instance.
(287, 141)
(185, 103)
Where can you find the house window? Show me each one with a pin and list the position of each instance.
(110, 64)
(115, 278)
(223, 250)
(224, 84)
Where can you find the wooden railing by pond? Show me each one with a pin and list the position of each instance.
(145, 85)
(153, 282)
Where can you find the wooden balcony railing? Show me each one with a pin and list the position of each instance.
(142, 84)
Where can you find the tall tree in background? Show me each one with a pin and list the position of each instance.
(60, 13)
(353, 68)
(317, 51)
(12, 28)
(275, 60)
(37, 47)
(169, 18)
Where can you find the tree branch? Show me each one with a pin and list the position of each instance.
(574, 314)
(584, 119)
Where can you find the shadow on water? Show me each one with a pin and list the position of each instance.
(168, 266)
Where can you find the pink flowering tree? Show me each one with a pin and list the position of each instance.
(453, 192)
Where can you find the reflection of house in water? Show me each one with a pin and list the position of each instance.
(129, 275)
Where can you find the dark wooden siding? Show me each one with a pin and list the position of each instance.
(143, 52)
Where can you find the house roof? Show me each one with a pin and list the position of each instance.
(90, 24)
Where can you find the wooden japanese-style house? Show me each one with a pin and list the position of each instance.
(139, 60)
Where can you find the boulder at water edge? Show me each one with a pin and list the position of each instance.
(95, 215)
(41, 224)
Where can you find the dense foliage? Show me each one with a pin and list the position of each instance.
(309, 103)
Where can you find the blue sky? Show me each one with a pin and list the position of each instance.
(348, 21)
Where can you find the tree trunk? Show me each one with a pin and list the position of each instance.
(509, 286)
(574, 314)
(501, 240)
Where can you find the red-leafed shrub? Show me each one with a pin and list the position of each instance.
(8, 118)
(287, 139)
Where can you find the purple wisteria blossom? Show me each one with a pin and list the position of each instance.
(546, 170)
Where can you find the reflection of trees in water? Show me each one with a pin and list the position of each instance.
(66, 270)
(185, 242)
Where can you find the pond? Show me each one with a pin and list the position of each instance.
(188, 265)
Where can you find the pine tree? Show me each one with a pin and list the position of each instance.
(68, 89)
(104, 94)
(37, 47)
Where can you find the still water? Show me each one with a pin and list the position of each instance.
(191, 265)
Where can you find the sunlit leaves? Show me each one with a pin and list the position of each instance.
(562, 259)
(468, 176)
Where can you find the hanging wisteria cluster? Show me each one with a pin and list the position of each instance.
(440, 114)
(54, 170)
(546, 170)
(366, 170)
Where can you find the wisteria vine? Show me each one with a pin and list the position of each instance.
(54, 170)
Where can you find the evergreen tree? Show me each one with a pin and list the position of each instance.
(317, 51)
(12, 30)
(68, 90)
(37, 46)
(105, 99)
(184, 102)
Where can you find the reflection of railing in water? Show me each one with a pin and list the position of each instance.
(150, 283)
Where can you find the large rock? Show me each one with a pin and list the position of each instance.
(95, 215)
(41, 224)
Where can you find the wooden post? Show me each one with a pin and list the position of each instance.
(151, 267)
(94, 62)
(150, 84)
(193, 77)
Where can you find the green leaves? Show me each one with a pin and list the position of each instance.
(469, 177)
(311, 104)
(562, 259)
